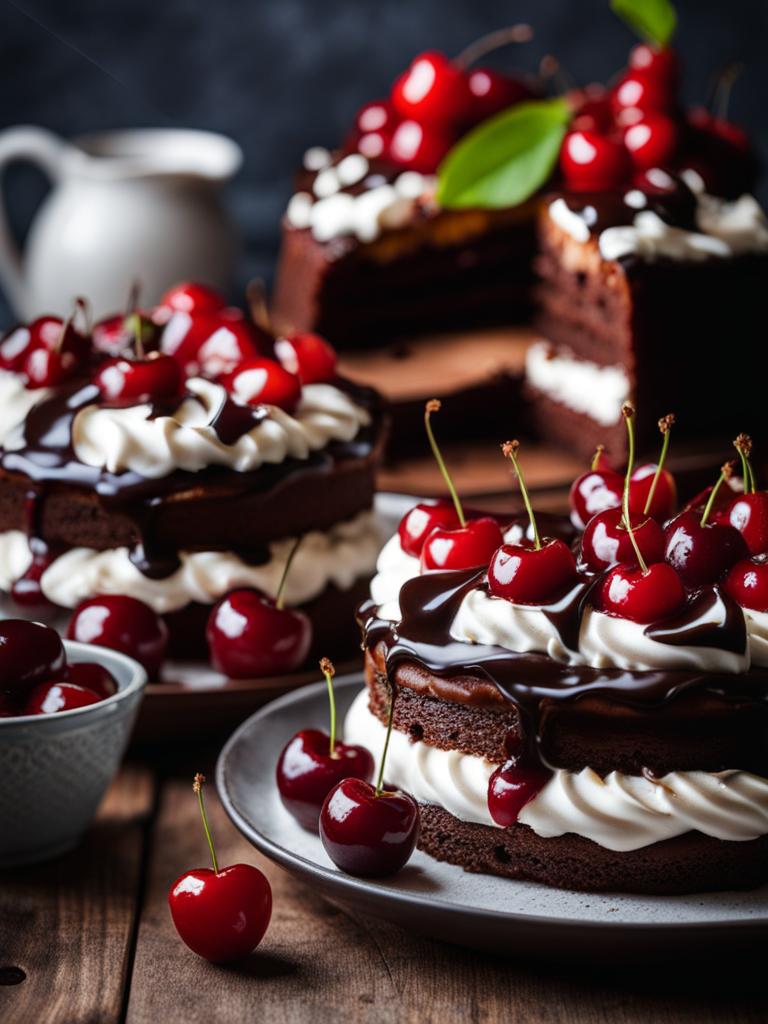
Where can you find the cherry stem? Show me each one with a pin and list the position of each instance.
(84, 306)
(67, 324)
(134, 326)
(725, 472)
(520, 33)
(743, 445)
(665, 426)
(433, 405)
(628, 413)
(197, 787)
(326, 667)
(510, 449)
(380, 779)
(596, 457)
(280, 595)
(256, 297)
(723, 88)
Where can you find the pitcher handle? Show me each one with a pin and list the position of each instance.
(46, 150)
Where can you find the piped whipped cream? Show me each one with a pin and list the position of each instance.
(619, 812)
(132, 439)
(339, 556)
(16, 401)
(330, 212)
(757, 632)
(595, 391)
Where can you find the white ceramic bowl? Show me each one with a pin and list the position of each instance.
(54, 769)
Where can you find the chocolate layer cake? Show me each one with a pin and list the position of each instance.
(653, 295)
(178, 501)
(640, 750)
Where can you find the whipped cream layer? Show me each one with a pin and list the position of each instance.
(595, 391)
(757, 632)
(620, 812)
(341, 556)
(725, 229)
(16, 400)
(155, 446)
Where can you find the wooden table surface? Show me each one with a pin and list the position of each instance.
(88, 939)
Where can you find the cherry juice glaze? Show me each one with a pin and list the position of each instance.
(532, 682)
(47, 458)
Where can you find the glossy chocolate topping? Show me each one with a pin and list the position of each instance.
(673, 202)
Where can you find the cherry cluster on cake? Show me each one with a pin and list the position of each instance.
(37, 679)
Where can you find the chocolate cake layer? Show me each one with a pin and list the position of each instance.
(689, 863)
(447, 271)
(695, 732)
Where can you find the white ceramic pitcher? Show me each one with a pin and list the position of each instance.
(125, 206)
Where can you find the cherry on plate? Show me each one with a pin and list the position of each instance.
(250, 635)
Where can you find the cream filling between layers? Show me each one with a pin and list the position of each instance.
(340, 556)
(591, 390)
(118, 440)
(16, 400)
(620, 812)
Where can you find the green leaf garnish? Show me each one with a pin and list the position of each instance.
(654, 20)
(505, 159)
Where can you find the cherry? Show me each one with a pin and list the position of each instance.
(189, 297)
(492, 92)
(92, 676)
(641, 90)
(260, 381)
(720, 154)
(419, 147)
(660, 63)
(116, 335)
(749, 515)
(419, 521)
(702, 552)
(53, 356)
(530, 572)
(747, 583)
(652, 141)
(124, 624)
(212, 344)
(221, 914)
(308, 356)
(593, 163)
(592, 492)
(21, 340)
(374, 124)
(432, 91)
(511, 787)
(661, 503)
(644, 594)
(606, 540)
(594, 113)
(58, 695)
(124, 382)
(29, 653)
(312, 763)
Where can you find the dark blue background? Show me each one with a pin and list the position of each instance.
(281, 75)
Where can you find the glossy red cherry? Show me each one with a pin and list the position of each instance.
(593, 492)
(606, 540)
(368, 833)
(189, 297)
(58, 695)
(312, 763)
(747, 583)
(652, 141)
(525, 574)
(511, 787)
(720, 153)
(260, 381)
(373, 127)
(21, 340)
(308, 356)
(249, 636)
(116, 335)
(642, 595)
(491, 92)
(661, 63)
(432, 91)
(124, 382)
(55, 356)
(749, 515)
(702, 554)
(664, 498)
(419, 147)
(594, 113)
(30, 653)
(461, 547)
(212, 344)
(124, 624)
(419, 521)
(221, 914)
(92, 676)
(593, 163)
(641, 90)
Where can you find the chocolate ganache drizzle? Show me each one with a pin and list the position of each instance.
(44, 454)
(531, 681)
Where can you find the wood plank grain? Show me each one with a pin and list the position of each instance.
(67, 927)
(320, 963)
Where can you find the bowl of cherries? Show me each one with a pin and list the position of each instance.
(66, 713)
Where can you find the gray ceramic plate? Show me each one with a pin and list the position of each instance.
(442, 900)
